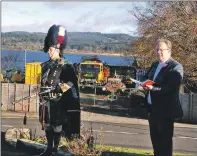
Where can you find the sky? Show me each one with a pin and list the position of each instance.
(104, 17)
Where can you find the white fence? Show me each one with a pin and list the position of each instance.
(189, 105)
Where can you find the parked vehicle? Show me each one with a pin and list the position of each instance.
(92, 71)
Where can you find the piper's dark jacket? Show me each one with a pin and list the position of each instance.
(54, 72)
(165, 92)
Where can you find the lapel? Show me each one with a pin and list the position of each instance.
(152, 70)
(163, 70)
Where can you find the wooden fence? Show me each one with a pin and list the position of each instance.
(12, 92)
(189, 105)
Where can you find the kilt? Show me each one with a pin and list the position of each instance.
(50, 112)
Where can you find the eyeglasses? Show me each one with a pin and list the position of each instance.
(161, 50)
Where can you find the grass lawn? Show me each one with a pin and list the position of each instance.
(78, 146)
(120, 151)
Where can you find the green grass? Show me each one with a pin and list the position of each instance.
(111, 150)
(134, 152)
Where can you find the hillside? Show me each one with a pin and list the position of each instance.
(91, 41)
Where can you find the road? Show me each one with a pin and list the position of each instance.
(125, 135)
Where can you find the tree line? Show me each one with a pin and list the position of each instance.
(91, 41)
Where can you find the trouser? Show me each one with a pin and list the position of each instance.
(53, 135)
(161, 133)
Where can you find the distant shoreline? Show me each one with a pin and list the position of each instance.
(71, 51)
(94, 53)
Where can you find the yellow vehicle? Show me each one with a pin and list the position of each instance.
(92, 71)
(33, 73)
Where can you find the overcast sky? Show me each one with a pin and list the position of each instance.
(104, 17)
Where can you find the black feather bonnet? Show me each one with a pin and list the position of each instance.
(57, 38)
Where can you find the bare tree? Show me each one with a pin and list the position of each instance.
(9, 61)
(174, 20)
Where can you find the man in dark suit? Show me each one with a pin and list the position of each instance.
(162, 98)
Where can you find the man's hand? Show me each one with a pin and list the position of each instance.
(140, 87)
(64, 86)
(148, 87)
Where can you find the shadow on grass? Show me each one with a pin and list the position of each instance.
(123, 106)
(108, 153)
(137, 112)
(115, 111)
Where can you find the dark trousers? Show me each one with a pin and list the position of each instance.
(161, 133)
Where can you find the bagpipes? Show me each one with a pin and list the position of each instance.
(42, 102)
(49, 89)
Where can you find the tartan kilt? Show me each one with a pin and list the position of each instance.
(51, 113)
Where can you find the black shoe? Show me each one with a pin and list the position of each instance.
(48, 152)
(54, 151)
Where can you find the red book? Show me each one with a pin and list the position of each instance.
(147, 82)
(144, 83)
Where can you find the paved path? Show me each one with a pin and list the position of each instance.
(96, 117)
(132, 135)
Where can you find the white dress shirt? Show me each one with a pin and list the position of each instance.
(160, 65)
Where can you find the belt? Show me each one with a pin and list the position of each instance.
(51, 96)
(55, 94)
(73, 111)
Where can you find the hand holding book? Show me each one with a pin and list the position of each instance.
(144, 83)
(147, 82)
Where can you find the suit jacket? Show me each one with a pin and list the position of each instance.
(165, 92)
